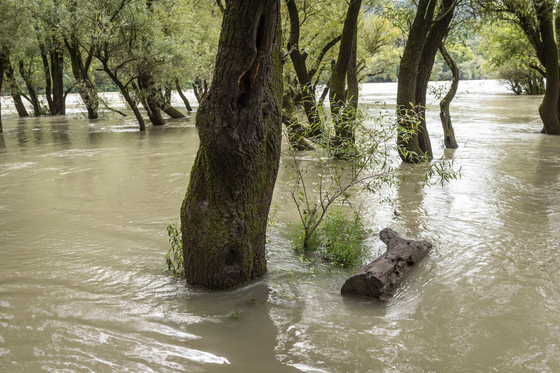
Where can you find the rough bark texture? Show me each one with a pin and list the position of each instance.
(380, 278)
(224, 214)
(448, 132)
(337, 93)
(415, 69)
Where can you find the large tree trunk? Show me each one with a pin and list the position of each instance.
(337, 94)
(444, 115)
(438, 30)
(407, 105)
(224, 214)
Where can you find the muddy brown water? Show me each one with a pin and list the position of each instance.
(83, 211)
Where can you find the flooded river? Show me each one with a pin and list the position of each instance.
(84, 207)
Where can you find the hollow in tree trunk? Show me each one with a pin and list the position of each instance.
(224, 213)
(445, 116)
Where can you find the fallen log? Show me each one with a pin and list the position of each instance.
(382, 276)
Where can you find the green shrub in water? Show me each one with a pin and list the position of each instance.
(337, 239)
(174, 257)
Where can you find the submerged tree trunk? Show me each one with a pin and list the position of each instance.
(415, 68)
(166, 105)
(57, 71)
(296, 132)
(150, 99)
(445, 116)
(305, 75)
(183, 97)
(126, 95)
(337, 94)
(86, 89)
(53, 69)
(14, 89)
(225, 211)
(32, 93)
(1, 82)
(549, 108)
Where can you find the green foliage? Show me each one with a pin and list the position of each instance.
(471, 64)
(512, 58)
(342, 238)
(174, 257)
(320, 181)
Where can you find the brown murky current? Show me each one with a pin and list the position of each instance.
(83, 212)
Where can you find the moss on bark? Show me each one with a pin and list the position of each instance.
(225, 210)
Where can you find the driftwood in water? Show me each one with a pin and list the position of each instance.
(381, 277)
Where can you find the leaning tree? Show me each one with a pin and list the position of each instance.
(225, 210)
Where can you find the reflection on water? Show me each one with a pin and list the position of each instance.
(83, 210)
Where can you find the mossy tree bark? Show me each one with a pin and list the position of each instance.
(225, 210)
(337, 94)
(424, 39)
(444, 114)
